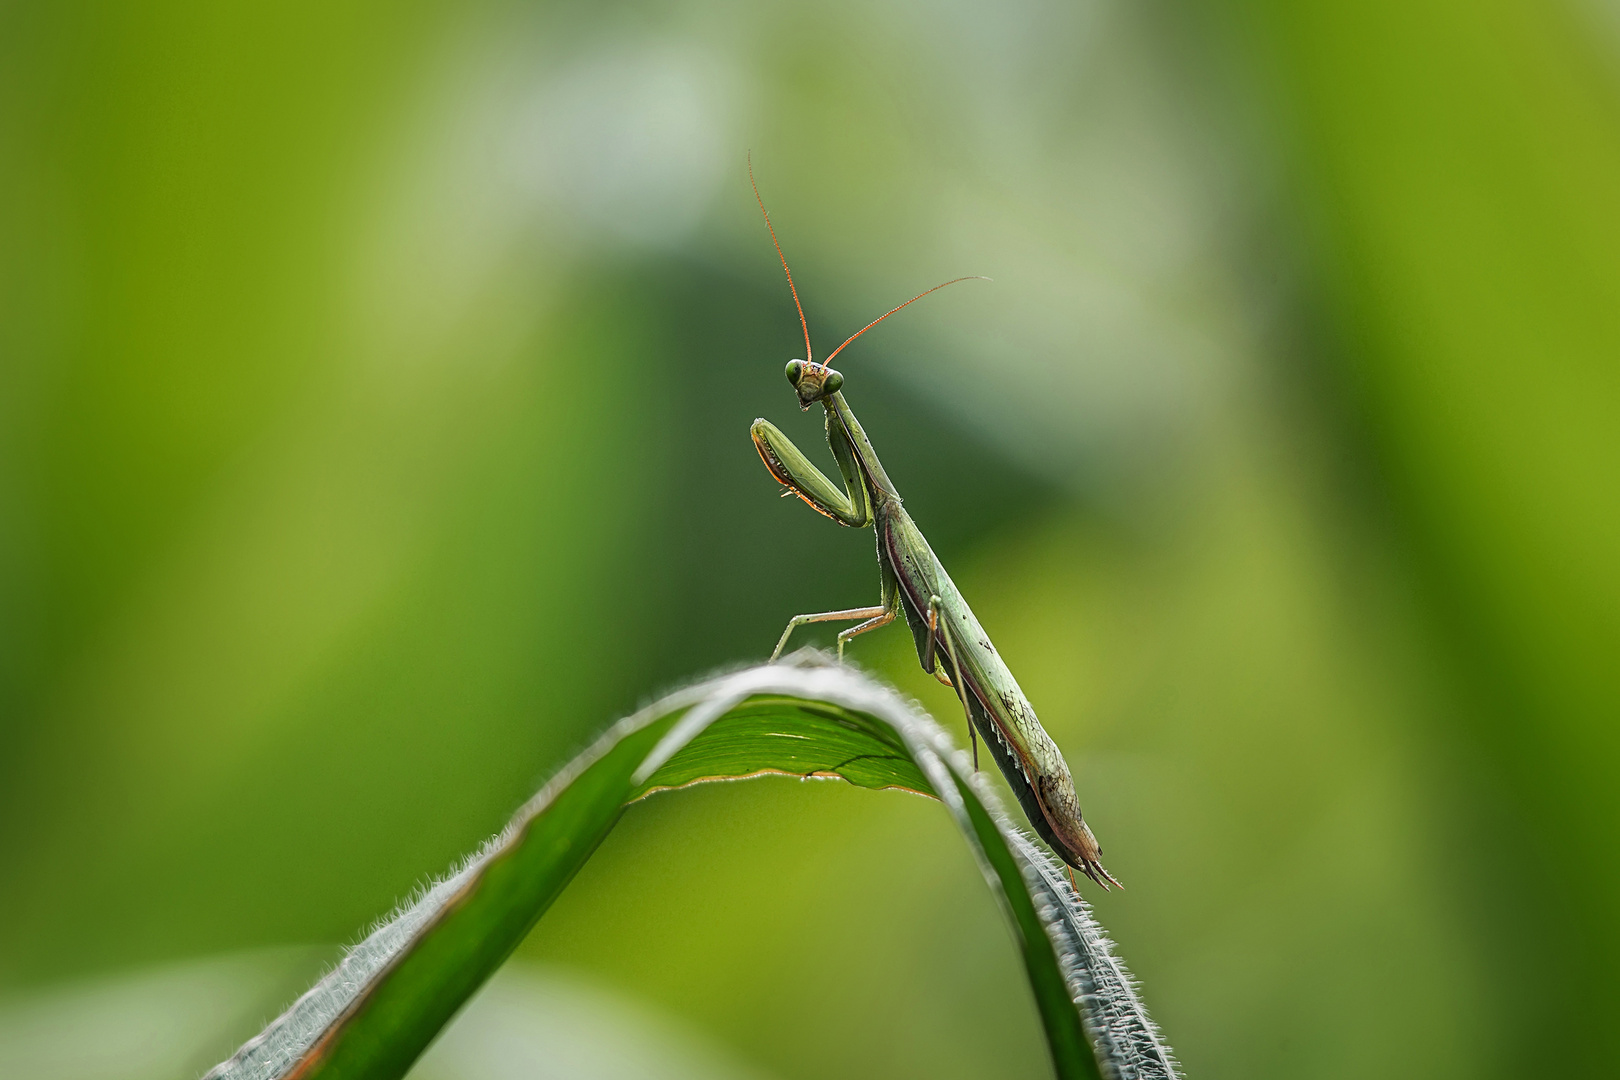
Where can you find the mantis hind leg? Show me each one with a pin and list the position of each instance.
(937, 630)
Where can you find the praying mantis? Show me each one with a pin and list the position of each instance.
(951, 644)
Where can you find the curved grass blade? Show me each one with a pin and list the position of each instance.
(379, 1008)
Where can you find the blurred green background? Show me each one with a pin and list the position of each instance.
(374, 385)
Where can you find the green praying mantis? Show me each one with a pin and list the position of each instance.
(951, 644)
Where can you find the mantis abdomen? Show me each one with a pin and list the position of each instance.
(996, 706)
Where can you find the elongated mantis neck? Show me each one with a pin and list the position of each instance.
(863, 446)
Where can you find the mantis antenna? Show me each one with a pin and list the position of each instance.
(808, 358)
(891, 311)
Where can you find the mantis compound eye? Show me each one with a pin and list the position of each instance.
(834, 382)
(795, 370)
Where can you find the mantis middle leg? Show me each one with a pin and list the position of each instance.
(882, 614)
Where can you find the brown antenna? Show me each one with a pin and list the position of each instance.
(891, 311)
(791, 288)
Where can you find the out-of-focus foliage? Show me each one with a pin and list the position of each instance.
(374, 385)
(1464, 168)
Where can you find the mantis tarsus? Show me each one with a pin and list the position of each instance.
(951, 644)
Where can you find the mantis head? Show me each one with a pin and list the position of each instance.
(813, 381)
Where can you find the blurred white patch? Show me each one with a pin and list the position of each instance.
(630, 143)
(155, 1024)
(520, 163)
(533, 1023)
(178, 1020)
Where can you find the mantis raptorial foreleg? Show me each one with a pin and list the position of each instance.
(794, 471)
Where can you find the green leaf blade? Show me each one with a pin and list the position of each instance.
(375, 1013)
(771, 733)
